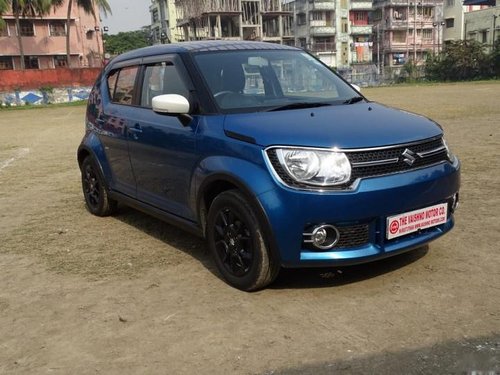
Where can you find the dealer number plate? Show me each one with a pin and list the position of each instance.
(409, 222)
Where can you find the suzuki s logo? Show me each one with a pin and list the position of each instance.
(409, 157)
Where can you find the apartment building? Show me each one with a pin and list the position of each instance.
(454, 17)
(407, 30)
(337, 31)
(483, 24)
(164, 22)
(44, 40)
(265, 20)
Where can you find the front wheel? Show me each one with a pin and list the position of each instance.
(237, 243)
(96, 196)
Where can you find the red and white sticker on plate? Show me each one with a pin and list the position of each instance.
(409, 222)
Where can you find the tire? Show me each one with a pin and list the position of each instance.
(96, 195)
(237, 243)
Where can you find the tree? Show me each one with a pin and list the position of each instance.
(126, 41)
(4, 5)
(89, 7)
(460, 60)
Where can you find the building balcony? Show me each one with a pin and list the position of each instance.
(361, 29)
(322, 30)
(361, 5)
(322, 5)
(319, 47)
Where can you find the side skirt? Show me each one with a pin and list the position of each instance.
(169, 218)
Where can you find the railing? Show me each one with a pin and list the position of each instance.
(322, 30)
(358, 29)
(323, 5)
(323, 47)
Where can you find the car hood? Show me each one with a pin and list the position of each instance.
(357, 125)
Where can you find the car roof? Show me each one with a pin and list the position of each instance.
(200, 46)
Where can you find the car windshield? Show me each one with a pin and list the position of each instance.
(271, 80)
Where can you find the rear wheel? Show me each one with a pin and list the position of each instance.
(237, 243)
(96, 196)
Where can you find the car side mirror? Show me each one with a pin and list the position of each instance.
(171, 104)
(356, 87)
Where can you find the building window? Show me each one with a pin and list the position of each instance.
(450, 22)
(484, 36)
(60, 61)
(450, 3)
(344, 25)
(6, 63)
(399, 15)
(399, 36)
(427, 34)
(154, 15)
(27, 28)
(57, 28)
(4, 31)
(317, 16)
(301, 19)
(31, 62)
(428, 12)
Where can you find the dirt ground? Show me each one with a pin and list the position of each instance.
(131, 295)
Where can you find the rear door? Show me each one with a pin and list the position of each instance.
(113, 123)
(162, 149)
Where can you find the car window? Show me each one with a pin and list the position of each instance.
(112, 82)
(259, 80)
(124, 91)
(159, 79)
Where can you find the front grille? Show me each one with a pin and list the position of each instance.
(372, 163)
(349, 236)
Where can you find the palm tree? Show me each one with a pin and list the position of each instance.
(4, 5)
(27, 8)
(89, 7)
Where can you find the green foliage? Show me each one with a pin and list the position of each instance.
(4, 6)
(126, 41)
(495, 59)
(461, 60)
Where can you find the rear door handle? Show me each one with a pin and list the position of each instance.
(134, 131)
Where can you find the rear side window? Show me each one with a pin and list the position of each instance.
(162, 78)
(121, 85)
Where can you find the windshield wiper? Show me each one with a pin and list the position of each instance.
(354, 99)
(297, 105)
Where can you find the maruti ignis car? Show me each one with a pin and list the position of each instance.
(268, 154)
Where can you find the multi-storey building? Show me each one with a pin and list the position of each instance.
(337, 31)
(163, 22)
(406, 30)
(483, 24)
(44, 40)
(454, 18)
(265, 20)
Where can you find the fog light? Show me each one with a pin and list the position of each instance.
(322, 237)
(319, 236)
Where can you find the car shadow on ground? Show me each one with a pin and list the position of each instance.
(288, 278)
(478, 356)
(337, 276)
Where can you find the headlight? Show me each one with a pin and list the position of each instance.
(315, 167)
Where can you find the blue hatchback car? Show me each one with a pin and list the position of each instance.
(268, 154)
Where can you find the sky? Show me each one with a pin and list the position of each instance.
(128, 15)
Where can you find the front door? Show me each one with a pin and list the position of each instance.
(162, 149)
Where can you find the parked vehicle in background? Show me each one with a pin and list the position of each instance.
(268, 154)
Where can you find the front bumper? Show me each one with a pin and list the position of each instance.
(290, 211)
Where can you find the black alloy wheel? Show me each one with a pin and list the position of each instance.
(237, 243)
(96, 196)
